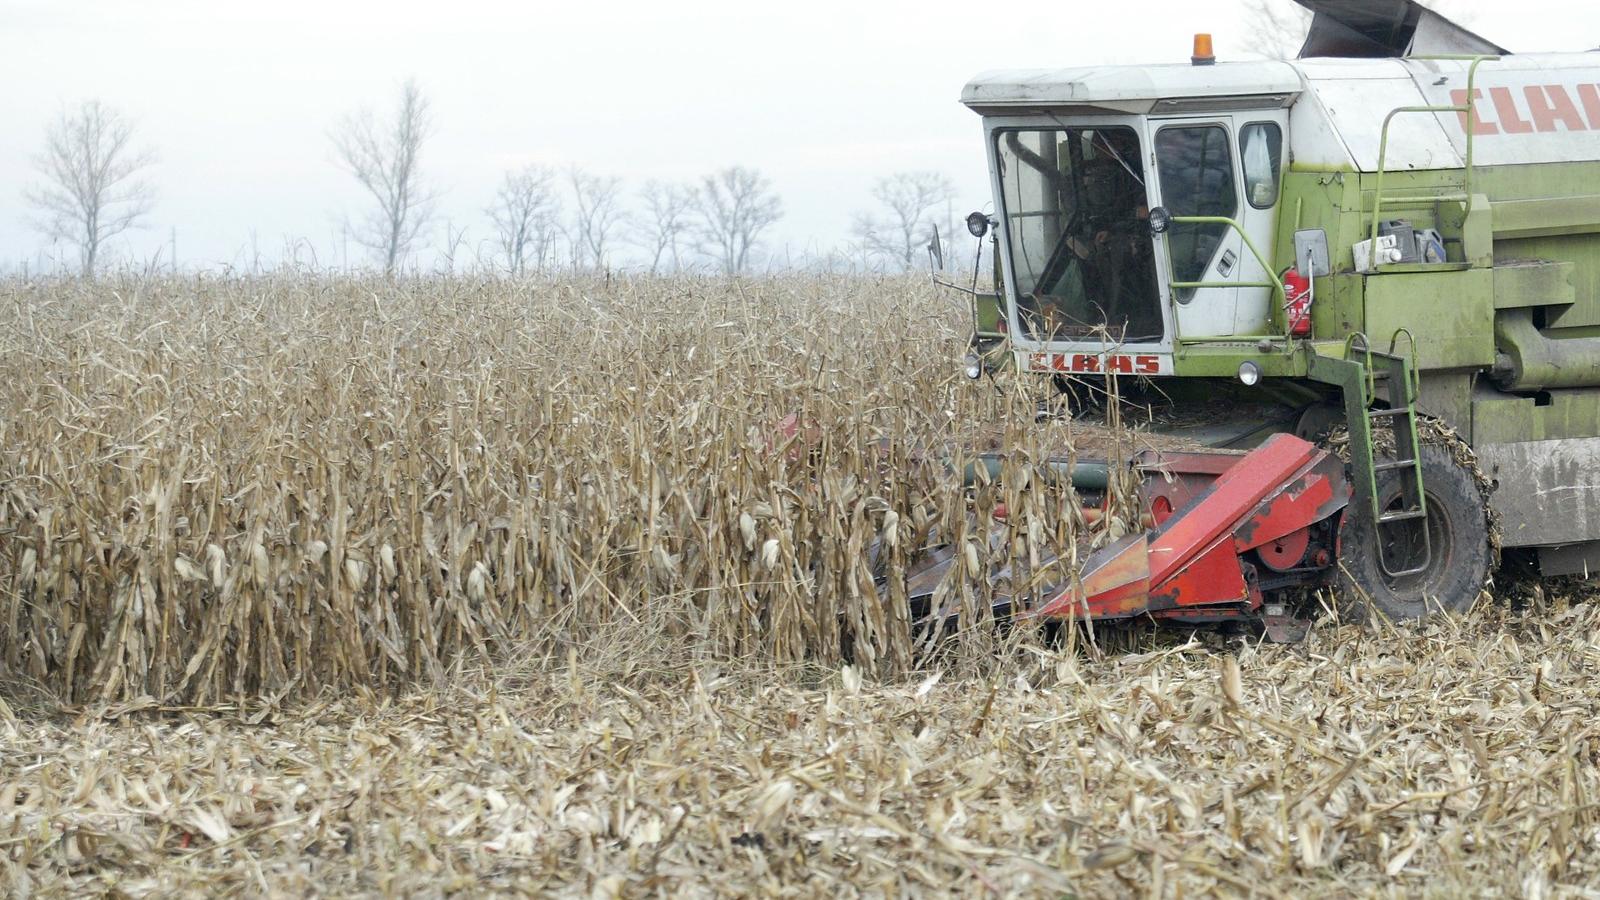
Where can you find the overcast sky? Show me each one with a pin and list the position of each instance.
(823, 96)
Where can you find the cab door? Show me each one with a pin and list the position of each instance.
(1197, 176)
(1201, 172)
(1259, 138)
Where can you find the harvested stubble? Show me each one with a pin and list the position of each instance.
(1449, 759)
(215, 488)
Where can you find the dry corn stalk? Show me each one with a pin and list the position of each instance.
(220, 486)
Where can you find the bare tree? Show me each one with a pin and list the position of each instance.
(666, 217)
(911, 202)
(454, 239)
(1275, 29)
(868, 237)
(385, 157)
(733, 207)
(526, 214)
(91, 191)
(598, 215)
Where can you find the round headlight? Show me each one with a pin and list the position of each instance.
(972, 366)
(978, 224)
(1160, 220)
(1249, 374)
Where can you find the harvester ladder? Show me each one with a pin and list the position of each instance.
(1390, 378)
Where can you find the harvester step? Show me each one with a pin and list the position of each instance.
(1387, 413)
(1401, 516)
(1394, 466)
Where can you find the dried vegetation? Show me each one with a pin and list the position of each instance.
(313, 587)
(221, 488)
(1444, 760)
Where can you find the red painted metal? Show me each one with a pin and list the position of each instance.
(1113, 577)
(1297, 288)
(1266, 497)
(1161, 509)
(1286, 552)
(1210, 578)
(1315, 494)
(1188, 462)
(1092, 515)
(1229, 501)
(1172, 479)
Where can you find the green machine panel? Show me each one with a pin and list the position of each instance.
(1450, 313)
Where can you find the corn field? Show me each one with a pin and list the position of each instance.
(314, 586)
(227, 487)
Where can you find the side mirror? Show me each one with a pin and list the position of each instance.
(1311, 251)
(936, 251)
(1160, 220)
(978, 224)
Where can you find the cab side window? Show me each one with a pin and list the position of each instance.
(1196, 169)
(1261, 149)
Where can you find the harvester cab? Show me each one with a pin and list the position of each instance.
(1386, 252)
(1107, 214)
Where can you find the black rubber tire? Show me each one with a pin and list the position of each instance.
(1459, 529)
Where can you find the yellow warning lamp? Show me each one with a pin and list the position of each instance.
(1203, 55)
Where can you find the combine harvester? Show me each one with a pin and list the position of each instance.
(1389, 246)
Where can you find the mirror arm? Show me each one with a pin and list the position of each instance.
(977, 262)
(942, 282)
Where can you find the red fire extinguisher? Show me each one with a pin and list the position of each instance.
(1297, 291)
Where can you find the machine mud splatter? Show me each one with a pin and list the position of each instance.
(1384, 256)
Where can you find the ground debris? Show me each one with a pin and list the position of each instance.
(1451, 757)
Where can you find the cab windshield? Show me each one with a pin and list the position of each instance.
(1075, 207)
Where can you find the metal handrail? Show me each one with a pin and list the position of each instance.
(1469, 109)
(1276, 286)
(1414, 382)
(1366, 363)
(1224, 220)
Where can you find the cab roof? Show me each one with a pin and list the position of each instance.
(1131, 90)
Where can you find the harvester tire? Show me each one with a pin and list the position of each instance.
(1459, 530)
